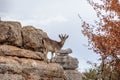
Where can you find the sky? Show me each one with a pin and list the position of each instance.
(55, 17)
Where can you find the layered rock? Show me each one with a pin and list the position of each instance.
(22, 56)
(69, 64)
(21, 64)
(14, 68)
(7, 50)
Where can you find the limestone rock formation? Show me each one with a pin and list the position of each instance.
(32, 38)
(22, 64)
(7, 50)
(14, 68)
(64, 52)
(69, 64)
(22, 56)
(73, 75)
(10, 33)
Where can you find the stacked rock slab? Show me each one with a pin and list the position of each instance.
(69, 64)
(20, 58)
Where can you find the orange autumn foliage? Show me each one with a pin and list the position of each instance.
(104, 36)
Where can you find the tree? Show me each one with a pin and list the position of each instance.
(90, 74)
(95, 73)
(104, 35)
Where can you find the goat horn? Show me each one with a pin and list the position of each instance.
(62, 35)
(65, 35)
(59, 35)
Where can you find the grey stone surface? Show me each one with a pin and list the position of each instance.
(64, 52)
(7, 50)
(32, 38)
(73, 75)
(68, 62)
(14, 68)
(10, 33)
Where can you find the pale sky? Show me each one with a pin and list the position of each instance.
(55, 17)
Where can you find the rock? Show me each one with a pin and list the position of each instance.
(64, 52)
(7, 50)
(68, 62)
(8, 76)
(14, 68)
(10, 33)
(32, 38)
(22, 56)
(73, 75)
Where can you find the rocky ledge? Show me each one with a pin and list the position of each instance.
(21, 64)
(22, 56)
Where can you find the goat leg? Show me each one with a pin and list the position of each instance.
(51, 60)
